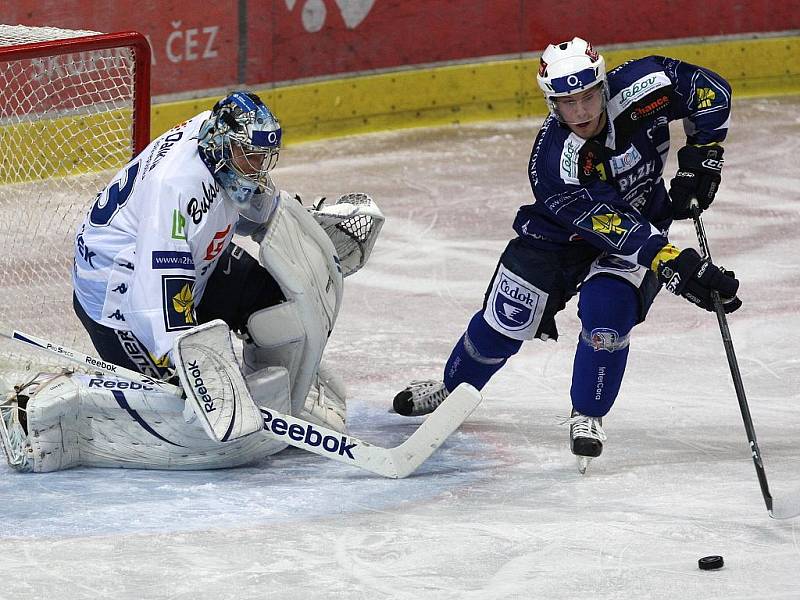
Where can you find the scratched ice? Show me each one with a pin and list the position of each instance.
(499, 511)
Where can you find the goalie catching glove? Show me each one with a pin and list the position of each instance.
(353, 224)
(698, 176)
(685, 274)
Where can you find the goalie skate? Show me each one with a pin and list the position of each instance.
(586, 437)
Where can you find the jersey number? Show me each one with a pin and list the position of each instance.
(113, 198)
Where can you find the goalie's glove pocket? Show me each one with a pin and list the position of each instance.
(696, 279)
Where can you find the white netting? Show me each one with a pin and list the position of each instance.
(66, 126)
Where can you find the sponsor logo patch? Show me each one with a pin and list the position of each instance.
(178, 302)
(339, 444)
(178, 225)
(616, 263)
(641, 112)
(168, 259)
(604, 339)
(613, 227)
(217, 244)
(625, 161)
(705, 97)
(513, 303)
(570, 159)
(198, 208)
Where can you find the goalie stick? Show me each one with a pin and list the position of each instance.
(778, 508)
(395, 462)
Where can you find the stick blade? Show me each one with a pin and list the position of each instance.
(786, 507)
(438, 426)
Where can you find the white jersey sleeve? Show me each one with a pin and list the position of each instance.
(151, 239)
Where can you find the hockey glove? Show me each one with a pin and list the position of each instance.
(695, 279)
(698, 176)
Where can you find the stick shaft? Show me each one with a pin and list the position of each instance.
(736, 375)
(93, 362)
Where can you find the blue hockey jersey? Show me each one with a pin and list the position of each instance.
(608, 191)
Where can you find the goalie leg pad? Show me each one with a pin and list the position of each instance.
(326, 403)
(83, 420)
(278, 339)
(302, 259)
(214, 386)
(51, 440)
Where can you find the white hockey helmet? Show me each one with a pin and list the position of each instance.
(568, 68)
(240, 142)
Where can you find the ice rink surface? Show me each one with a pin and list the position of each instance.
(500, 510)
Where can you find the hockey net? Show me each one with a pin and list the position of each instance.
(74, 108)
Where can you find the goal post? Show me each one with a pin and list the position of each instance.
(74, 108)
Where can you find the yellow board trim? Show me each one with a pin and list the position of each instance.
(491, 90)
(503, 89)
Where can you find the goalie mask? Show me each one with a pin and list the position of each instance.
(240, 143)
(573, 78)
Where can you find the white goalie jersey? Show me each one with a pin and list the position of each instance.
(151, 240)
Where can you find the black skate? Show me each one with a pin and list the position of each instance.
(420, 398)
(586, 438)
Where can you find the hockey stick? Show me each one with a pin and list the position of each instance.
(94, 362)
(396, 462)
(778, 509)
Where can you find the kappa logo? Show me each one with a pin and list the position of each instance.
(218, 244)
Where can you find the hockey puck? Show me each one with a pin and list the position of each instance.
(709, 563)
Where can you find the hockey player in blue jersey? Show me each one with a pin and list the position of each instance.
(598, 226)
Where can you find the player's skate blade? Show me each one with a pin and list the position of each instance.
(583, 463)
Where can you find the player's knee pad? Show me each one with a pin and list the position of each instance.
(485, 343)
(608, 309)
